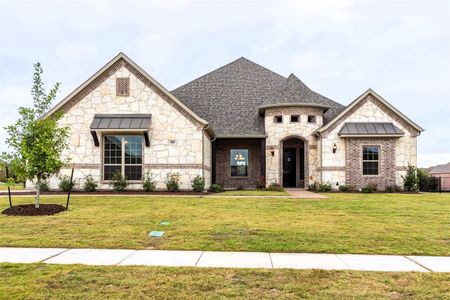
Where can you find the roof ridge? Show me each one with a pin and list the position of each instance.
(242, 58)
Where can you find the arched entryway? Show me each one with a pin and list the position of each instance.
(293, 162)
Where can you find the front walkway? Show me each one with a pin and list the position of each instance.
(301, 193)
(210, 259)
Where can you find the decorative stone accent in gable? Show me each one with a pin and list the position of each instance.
(113, 69)
(380, 105)
(353, 161)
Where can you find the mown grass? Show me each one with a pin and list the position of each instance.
(40, 281)
(252, 193)
(4, 186)
(344, 223)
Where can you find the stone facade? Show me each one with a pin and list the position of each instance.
(369, 109)
(177, 144)
(303, 130)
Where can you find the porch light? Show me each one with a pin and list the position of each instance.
(272, 152)
(334, 148)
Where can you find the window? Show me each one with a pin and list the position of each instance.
(311, 119)
(294, 118)
(122, 154)
(370, 160)
(278, 119)
(123, 86)
(239, 162)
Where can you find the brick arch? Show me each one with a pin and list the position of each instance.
(306, 155)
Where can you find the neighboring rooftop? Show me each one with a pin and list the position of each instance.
(229, 97)
(440, 169)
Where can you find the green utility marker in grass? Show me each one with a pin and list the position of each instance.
(164, 223)
(156, 233)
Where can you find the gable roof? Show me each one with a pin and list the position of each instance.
(230, 96)
(106, 71)
(348, 109)
(439, 169)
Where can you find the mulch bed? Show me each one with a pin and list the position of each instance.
(31, 210)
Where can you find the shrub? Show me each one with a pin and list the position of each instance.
(44, 187)
(370, 188)
(119, 182)
(198, 184)
(216, 188)
(173, 182)
(276, 187)
(313, 187)
(324, 187)
(411, 181)
(90, 185)
(422, 176)
(149, 184)
(65, 184)
(260, 183)
(346, 188)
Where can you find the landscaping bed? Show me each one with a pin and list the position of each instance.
(31, 210)
(110, 192)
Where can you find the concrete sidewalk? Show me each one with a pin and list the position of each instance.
(210, 259)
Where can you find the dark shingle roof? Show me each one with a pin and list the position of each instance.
(370, 128)
(121, 121)
(441, 169)
(230, 96)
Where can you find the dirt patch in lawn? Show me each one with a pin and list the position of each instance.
(31, 210)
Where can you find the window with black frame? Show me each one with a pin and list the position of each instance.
(370, 161)
(122, 154)
(239, 162)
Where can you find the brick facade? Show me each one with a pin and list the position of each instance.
(222, 162)
(353, 158)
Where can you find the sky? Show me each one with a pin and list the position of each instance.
(400, 49)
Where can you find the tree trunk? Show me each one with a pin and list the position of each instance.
(38, 193)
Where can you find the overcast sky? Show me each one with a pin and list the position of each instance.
(401, 49)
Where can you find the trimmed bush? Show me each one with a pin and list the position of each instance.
(90, 185)
(119, 182)
(346, 188)
(198, 184)
(370, 188)
(313, 187)
(64, 184)
(324, 187)
(149, 184)
(173, 182)
(44, 187)
(411, 181)
(216, 188)
(276, 187)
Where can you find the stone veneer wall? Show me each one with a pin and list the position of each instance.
(353, 159)
(369, 109)
(278, 132)
(175, 142)
(223, 169)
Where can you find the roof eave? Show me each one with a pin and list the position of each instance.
(357, 100)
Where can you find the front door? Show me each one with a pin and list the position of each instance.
(289, 175)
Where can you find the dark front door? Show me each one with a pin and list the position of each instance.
(289, 168)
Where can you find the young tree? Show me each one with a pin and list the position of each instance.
(411, 181)
(35, 140)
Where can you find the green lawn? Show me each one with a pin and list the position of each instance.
(344, 223)
(4, 186)
(252, 193)
(40, 281)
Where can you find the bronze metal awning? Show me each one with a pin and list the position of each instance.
(370, 129)
(121, 122)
